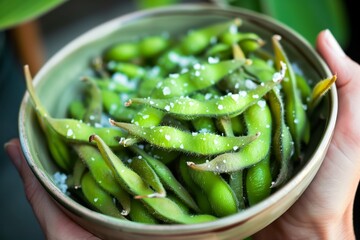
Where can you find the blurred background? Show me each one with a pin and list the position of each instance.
(35, 41)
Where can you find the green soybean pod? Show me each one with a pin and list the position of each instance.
(148, 83)
(58, 148)
(102, 174)
(93, 102)
(283, 145)
(141, 167)
(162, 208)
(258, 181)
(164, 156)
(236, 178)
(76, 109)
(78, 171)
(124, 51)
(248, 42)
(98, 198)
(139, 213)
(77, 131)
(236, 183)
(229, 105)
(203, 124)
(258, 119)
(167, 178)
(174, 139)
(197, 40)
(131, 70)
(114, 85)
(201, 76)
(219, 51)
(304, 88)
(221, 197)
(260, 69)
(295, 114)
(115, 108)
(200, 198)
(153, 46)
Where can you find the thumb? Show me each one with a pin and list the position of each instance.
(31, 185)
(53, 222)
(335, 57)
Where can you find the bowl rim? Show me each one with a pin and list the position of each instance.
(237, 219)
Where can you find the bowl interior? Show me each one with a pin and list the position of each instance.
(59, 79)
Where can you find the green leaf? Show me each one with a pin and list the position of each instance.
(13, 12)
(309, 17)
(154, 3)
(248, 4)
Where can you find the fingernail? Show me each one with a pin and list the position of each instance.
(333, 44)
(12, 151)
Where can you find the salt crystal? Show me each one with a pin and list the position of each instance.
(242, 93)
(166, 91)
(261, 103)
(69, 132)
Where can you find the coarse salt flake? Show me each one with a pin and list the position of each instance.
(60, 181)
(69, 132)
(261, 103)
(166, 91)
(235, 97)
(242, 93)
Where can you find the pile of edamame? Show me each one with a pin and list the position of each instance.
(183, 129)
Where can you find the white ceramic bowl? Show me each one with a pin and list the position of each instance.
(56, 79)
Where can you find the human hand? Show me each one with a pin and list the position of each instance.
(325, 210)
(54, 223)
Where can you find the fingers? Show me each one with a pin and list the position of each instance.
(335, 57)
(53, 221)
(31, 186)
(35, 194)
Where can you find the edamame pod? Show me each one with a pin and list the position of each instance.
(200, 198)
(115, 108)
(295, 115)
(221, 197)
(162, 208)
(258, 181)
(77, 131)
(282, 140)
(141, 167)
(102, 174)
(197, 143)
(58, 148)
(139, 213)
(167, 178)
(229, 105)
(93, 103)
(258, 120)
(98, 198)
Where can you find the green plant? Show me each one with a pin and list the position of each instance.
(305, 16)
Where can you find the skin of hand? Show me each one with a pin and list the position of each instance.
(325, 209)
(54, 223)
